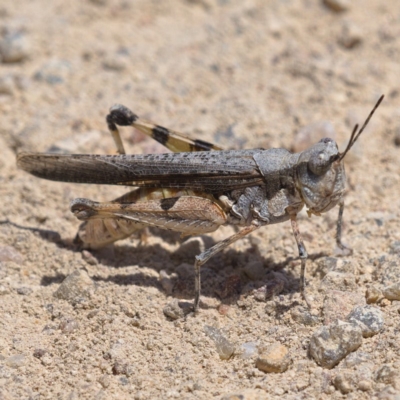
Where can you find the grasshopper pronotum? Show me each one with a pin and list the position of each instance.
(200, 187)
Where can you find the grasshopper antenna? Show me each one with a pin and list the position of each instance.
(355, 135)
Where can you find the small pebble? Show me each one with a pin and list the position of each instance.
(303, 316)
(194, 245)
(351, 36)
(275, 358)
(372, 295)
(397, 138)
(229, 287)
(16, 361)
(343, 381)
(39, 353)
(92, 314)
(334, 264)
(121, 368)
(4, 290)
(46, 360)
(338, 304)
(89, 258)
(259, 294)
(387, 374)
(129, 312)
(247, 350)
(185, 270)
(245, 394)
(392, 292)
(365, 385)
(269, 290)
(68, 325)
(24, 291)
(14, 48)
(115, 62)
(8, 253)
(324, 265)
(104, 381)
(395, 246)
(224, 347)
(274, 287)
(337, 5)
(173, 311)
(223, 309)
(99, 2)
(254, 270)
(368, 318)
(390, 271)
(76, 287)
(357, 358)
(53, 72)
(338, 281)
(166, 282)
(7, 85)
(330, 344)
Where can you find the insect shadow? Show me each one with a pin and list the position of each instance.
(46, 234)
(223, 273)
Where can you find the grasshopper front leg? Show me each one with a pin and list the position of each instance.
(339, 229)
(303, 258)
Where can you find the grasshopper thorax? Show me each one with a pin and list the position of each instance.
(321, 177)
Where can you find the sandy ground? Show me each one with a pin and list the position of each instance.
(242, 74)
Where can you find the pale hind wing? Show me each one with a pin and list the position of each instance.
(182, 211)
(97, 233)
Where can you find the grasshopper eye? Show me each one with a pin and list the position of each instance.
(319, 163)
(322, 155)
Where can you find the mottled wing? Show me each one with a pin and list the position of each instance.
(215, 171)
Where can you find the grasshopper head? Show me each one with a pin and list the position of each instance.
(321, 176)
(320, 171)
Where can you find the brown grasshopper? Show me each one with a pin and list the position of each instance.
(200, 187)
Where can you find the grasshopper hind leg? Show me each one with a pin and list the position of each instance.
(172, 140)
(206, 255)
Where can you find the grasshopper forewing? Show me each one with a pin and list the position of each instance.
(199, 187)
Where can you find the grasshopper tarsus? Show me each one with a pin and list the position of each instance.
(196, 190)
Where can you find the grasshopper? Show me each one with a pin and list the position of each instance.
(200, 187)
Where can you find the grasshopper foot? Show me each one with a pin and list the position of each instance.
(342, 250)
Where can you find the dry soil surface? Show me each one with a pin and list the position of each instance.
(242, 74)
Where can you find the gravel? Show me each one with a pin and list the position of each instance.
(331, 344)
